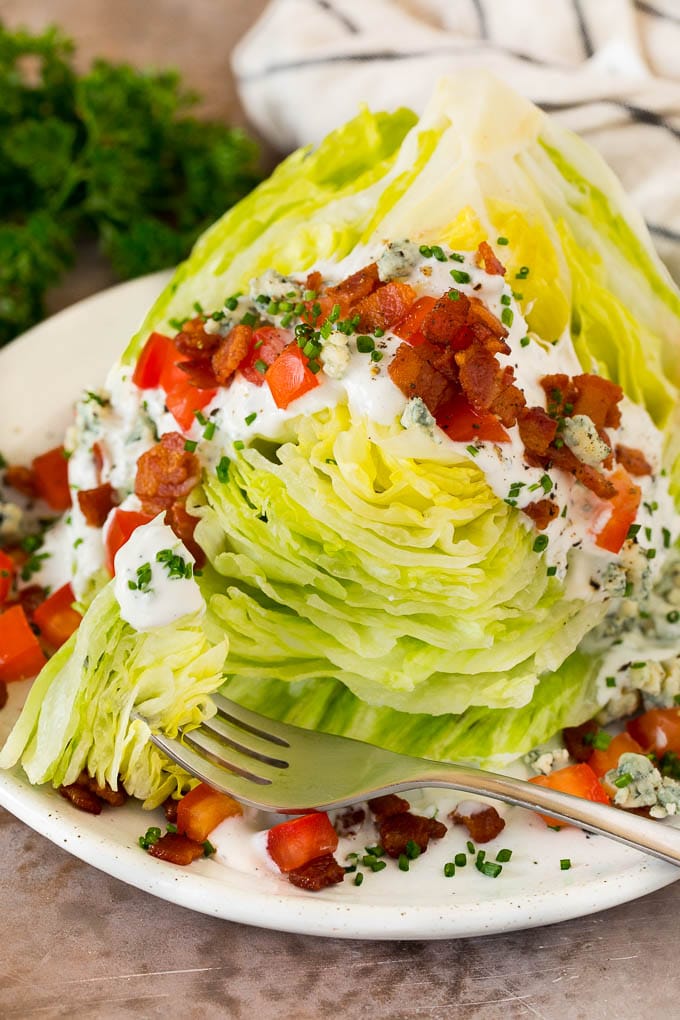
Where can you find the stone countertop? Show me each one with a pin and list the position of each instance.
(79, 943)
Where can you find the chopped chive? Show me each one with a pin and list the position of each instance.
(673, 616)
(628, 590)
(358, 878)
(481, 856)
(565, 864)
(540, 543)
(239, 444)
(209, 430)
(200, 418)
(470, 846)
(449, 869)
(456, 257)
(472, 450)
(378, 332)
(190, 445)
(438, 253)
(507, 315)
(272, 308)
(490, 869)
(198, 307)
(460, 860)
(523, 273)
(425, 251)
(610, 681)
(309, 295)
(638, 665)
(546, 482)
(502, 240)
(453, 295)
(666, 538)
(650, 554)
(504, 856)
(260, 366)
(460, 276)
(551, 571)
(505, 299)
(287, 319)
(625, 780)
(377, 356)
(222, 469)
(350, 869)
(404, 863)
(249, 319)
(232, 302)
(412, 849)
(151, 836)
(376, 851)
(208, 848)
(314, 366)
(171, 827)
(633, 530)
(365, 344)
(250, 418)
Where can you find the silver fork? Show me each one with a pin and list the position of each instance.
(282, 768)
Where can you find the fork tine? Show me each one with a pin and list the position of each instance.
(252, 722)
(239, 782)
(244, 741)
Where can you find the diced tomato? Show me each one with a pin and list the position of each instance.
(414, 318)
(158, 351)
(602, 761)
(624, 510)
(51, 478)
(266, 345)
(21, 656)
(56, 617)
(7, 570)
(462, 423)
(202, 810)
(289, 377)
(183, 400)
(119, 528)
(291, 844)
(657, 730)
(578, 780)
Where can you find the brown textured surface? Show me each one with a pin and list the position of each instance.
(81, 944)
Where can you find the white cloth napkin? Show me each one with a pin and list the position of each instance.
(609, 69)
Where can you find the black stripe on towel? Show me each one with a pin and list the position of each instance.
(583, 28)
(339, 16)
(656, 13)
(665, 232)
(481, 19)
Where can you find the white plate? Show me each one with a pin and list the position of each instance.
(40, 375)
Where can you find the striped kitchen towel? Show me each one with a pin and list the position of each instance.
(609, 69)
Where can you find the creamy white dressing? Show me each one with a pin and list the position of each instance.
(148, 596)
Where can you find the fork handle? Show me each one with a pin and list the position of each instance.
(634, 830)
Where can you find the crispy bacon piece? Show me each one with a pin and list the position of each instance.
(482, 821)
(509, 404)
(314, 281)
(598, 398)
(199, 372)
(485, 324)
(193, 339)
(416, 377)
(487, 259)
(537, 431)
(389, 804)
(29, 598)
(96, 504)
(22, 479)
(184, 524)
(354, 289)
(317, 874)
(560, 394)
(232, 350)
(349, 821)
(82, 798)
(634, 461)
(385, 306)
(447, 322)
(398, 830)
(593, 479)
(3, 694)
(481, 376)
(166, 474)
(578, 740)
(177, 849)
(170, 809)
(542, 512)
(115, 798)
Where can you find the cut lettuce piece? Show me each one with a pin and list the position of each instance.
(407, 580)
(490, 737)
(97, 700)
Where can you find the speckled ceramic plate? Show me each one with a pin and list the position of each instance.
(40, 375)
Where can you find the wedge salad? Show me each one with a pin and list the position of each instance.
(394, 455)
